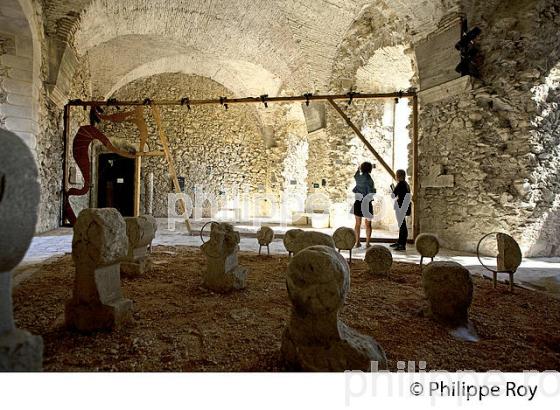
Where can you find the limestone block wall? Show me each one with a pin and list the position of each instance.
(16, 75)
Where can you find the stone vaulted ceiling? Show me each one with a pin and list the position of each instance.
(250, 46)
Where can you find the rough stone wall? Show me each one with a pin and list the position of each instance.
(212, 147)
(500, 138)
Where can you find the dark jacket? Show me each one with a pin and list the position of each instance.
(400, 192)
(364, 184)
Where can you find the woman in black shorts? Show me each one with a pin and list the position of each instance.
(363, 208)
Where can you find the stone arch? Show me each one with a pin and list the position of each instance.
(263, 41)
(376, 35)
(375, 55)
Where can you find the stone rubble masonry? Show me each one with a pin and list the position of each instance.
(318, 281)
(213, 148)
(19, 197)
(498, 137)
(98, 246)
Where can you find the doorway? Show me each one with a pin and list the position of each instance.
(115, 183)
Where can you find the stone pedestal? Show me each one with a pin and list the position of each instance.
(99, 244)
(222, 272)
(316, 340)
(19, 198)
(140, 231)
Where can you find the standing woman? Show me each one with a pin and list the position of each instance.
(363, 208)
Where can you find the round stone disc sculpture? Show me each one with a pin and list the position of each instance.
(318, 281)
(379, 260)
(508, 259)
(345, 239)
(289, 239)
(265, 236)
(19, 200)
(448, 287)
(427, 246)
(312, 238)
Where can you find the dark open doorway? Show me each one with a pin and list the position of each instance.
(116, 183)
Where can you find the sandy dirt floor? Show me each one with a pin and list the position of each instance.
(180, 326)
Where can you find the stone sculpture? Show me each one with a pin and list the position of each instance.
(379, 260)
(140, 231)
(509, 257)
(289, 239)
(306, 239)
(223, 274)
(19, 199)
(98, 246)
(427, 246)
(345, 239)
(318, 281)
(265, 235)
(448, 287)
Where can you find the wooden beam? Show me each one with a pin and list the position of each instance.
(65, 168)
(137, 182)
(171, 164)
(415, 202)
(249, 100)
(139, 118)
(364, 140)
(151, 154)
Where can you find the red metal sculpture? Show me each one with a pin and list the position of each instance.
(80, 150)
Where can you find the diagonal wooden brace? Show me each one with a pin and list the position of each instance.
(362, 138)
